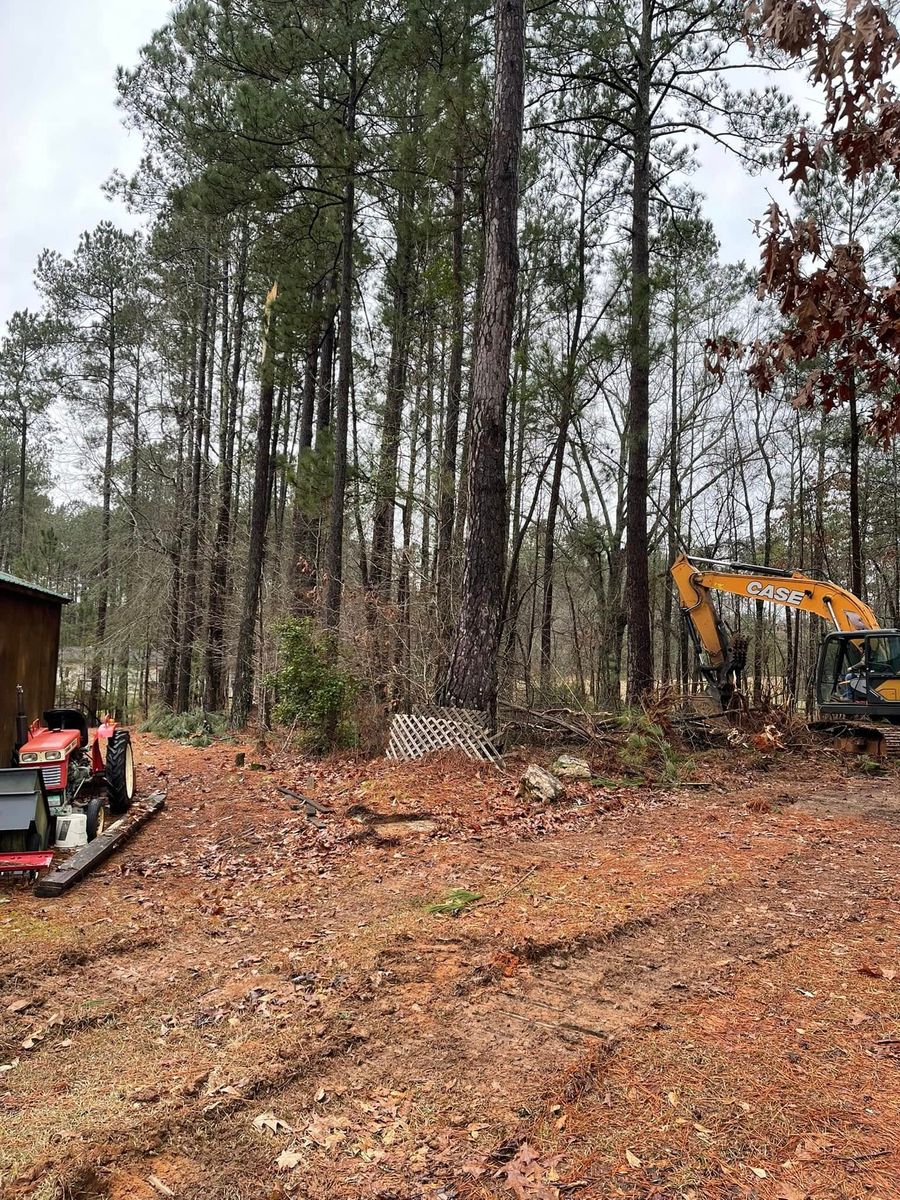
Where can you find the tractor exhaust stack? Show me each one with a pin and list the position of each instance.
(21, 718)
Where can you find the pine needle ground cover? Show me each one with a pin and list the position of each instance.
(649, 991)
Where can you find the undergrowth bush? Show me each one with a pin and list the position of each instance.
(197, 726)
(311, 690)
(646, 747)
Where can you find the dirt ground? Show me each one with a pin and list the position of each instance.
(688, 993)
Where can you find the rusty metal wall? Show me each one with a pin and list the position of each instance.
(29, 651)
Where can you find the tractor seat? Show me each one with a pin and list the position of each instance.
(68, 718)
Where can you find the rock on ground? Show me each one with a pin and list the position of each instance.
(539, 784)
(569, 767)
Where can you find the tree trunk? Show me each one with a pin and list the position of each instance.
(857, 574)
(218, 583)
(402, 686)
(447, 478)
(324, 397)
(335, 556)
(188, 630)
(567, 405)
(135, 435)
(637, 570)
(471, 678)
(23, 478)
(170, 664)
(303, 531)
(673, 515)
(242, 696)
(428, 441)
(105, 524)
(400, 277)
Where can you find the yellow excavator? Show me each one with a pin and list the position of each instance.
(858, 665)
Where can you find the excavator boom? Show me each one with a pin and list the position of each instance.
(697, 578)
(789, 589)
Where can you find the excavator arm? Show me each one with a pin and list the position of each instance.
(721, 657)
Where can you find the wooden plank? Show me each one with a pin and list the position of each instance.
(95, 852)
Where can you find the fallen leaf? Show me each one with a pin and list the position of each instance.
(326, 1132)
(787, 1191)
(857, 1017)
(632, 1158)
(157, 1184)
(11, 1066)
(759, 1172)
(877, 972)
(268, 1121)
(288, 1159)
(526, 1176)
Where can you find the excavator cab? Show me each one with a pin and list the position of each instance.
(858, 674)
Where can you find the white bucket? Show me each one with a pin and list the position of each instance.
(71, 831)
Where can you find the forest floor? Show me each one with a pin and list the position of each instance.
(685, 992)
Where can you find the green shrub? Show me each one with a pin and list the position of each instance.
(311, 690)
(198, 724)
(646, 748)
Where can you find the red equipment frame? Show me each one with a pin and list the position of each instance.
(29, 860)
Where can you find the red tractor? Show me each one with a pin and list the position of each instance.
(64, 775)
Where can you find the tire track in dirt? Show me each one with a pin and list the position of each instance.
(525, 1032)
(36, 973)
(477, 1037)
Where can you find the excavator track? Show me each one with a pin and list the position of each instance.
(883, 740)
(890, 737)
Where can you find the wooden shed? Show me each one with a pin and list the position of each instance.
(29, 652)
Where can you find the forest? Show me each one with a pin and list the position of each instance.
(414, 388)
(423, 361)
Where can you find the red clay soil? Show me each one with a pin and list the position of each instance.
(689, 993)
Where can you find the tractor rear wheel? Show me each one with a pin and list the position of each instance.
(120, 771)
(96, 817)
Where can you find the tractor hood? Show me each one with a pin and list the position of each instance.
(64, 740)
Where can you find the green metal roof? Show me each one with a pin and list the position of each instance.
(30, 589)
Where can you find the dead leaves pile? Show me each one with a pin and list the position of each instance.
(375, 1130)
(530, 1178)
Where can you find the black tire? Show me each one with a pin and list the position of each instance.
(96, 817)
(120, 771)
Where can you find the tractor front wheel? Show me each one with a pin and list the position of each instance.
(120, 771)
(96, 817)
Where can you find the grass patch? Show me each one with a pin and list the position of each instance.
(456, 901)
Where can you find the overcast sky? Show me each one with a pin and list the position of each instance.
(61, 130)
(63, 136)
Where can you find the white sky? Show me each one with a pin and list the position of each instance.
(61, 130)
